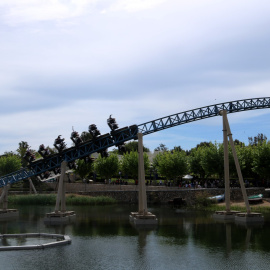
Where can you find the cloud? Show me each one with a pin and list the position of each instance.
(135, 5)
(71, 63)
(25, 11)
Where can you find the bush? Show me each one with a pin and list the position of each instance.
(50, 199)
(202, 200)
(32, 199)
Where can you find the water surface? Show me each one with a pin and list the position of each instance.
(103, 238)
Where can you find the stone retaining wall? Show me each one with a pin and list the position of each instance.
(161, 194)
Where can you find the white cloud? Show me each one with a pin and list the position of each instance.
(65, 64)
(23, 11)
(135, 5)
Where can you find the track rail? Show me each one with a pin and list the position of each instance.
(128, 133)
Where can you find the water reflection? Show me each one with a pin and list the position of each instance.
(103, 238)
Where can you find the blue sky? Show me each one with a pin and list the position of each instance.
(71, 63)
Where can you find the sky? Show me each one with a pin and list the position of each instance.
(70, 63)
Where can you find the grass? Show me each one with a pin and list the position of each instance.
(257, 208)
(87, 200)
(203, 203)
(50, 199)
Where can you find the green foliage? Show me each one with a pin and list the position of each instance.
(31, 199)
(87, 200)
(195, 161)
(202, 200)
(162, 147)
(83, 169)
(261, 162)
(129, 164)
(50, 199)
(133, 147)
(9, 164)
(171, 164)
(107, 167)
(219, 207)
(213, 160)
(86, 136)
(259, 139)
(245, 156)
(23, 146)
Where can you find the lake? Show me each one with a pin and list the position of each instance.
(103, 238)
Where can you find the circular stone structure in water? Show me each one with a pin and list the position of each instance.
(32, 241)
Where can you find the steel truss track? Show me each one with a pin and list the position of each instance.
(128, 133)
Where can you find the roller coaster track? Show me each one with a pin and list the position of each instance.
(122, 135)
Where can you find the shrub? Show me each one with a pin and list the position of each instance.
(202, 200)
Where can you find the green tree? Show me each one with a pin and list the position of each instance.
(162, 148)
(86, 136)
(133, 146)
(83, 168)
(261, 162)
(213, 160)
(259, 139)
(23, 146)
(172, 164)
(107, 167)
(195, 161)
(245, 156)
(9, 164)
(129, 164)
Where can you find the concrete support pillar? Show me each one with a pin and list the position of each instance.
(226, 165)
(4, 197)
(32, 187)
(239, 173)
(61, 198)
(60, 215)
(141, 175)
(142, 217)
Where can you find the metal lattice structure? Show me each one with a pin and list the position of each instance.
(119, 136)
(202, 113)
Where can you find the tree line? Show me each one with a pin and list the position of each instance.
(205, 161)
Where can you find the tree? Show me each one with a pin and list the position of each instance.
(213, 160)
(171, 164)
(86, 136)
(83, 168)
(107, 167)
(202, 144)
(195, 161)
(245, 156)
(261, 162)
(161, 148)
(177, 148)
(9, 164)
(23, 146)
(133, 146)
(129, 164)
(259, 139)
(237, 142)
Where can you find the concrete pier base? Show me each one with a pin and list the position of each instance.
(60, 215)
(143, 219)
(225, 215)
(59, 240)
(249, 218)
(8, 213)
(60, 218)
